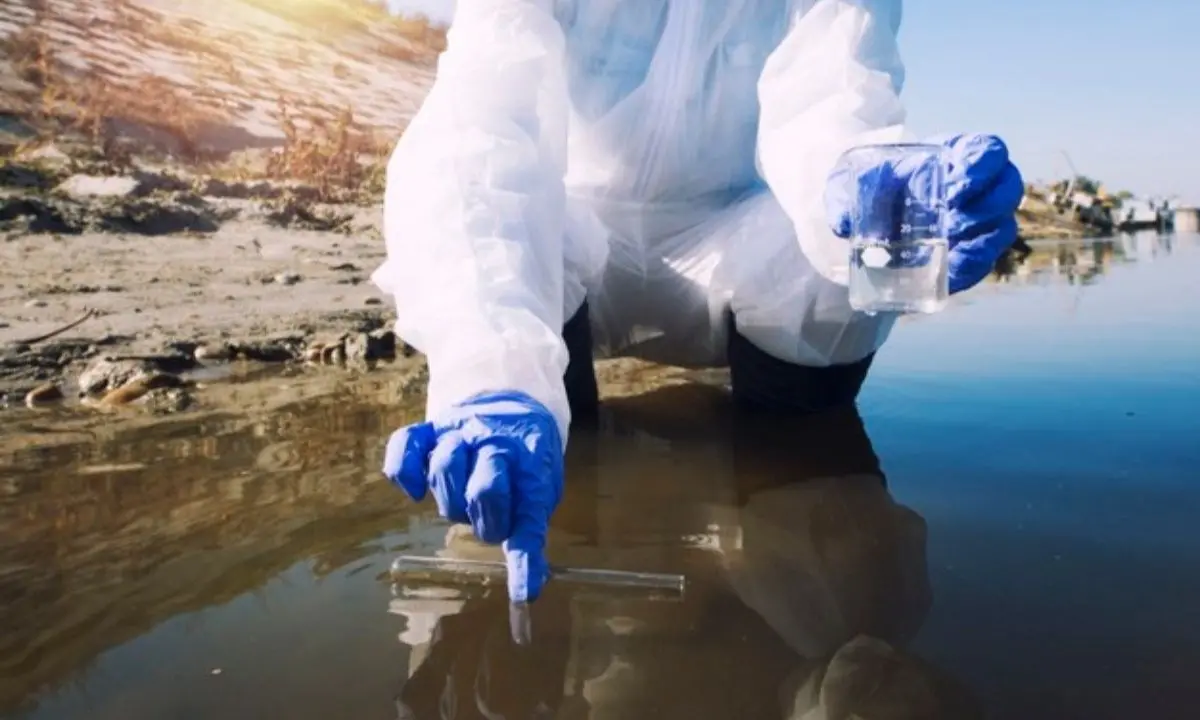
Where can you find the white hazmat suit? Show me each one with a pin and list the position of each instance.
(664, 159)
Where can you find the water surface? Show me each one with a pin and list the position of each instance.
(1007, 527)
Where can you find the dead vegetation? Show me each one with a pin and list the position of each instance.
(116, 118)
(341, 160)
(97, 109)
(412, 39)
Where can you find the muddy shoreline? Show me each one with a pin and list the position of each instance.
(182, 199)
(107, 276)
(131, 286)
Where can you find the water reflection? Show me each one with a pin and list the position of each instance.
(1078, 262)
(801, 605)
(265, 537)
(101, 542)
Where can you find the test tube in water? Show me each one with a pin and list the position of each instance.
(899, 254)
(455, 571)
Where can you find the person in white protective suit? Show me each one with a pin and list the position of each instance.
(644, 178)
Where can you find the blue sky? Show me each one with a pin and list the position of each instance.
(1110, 82)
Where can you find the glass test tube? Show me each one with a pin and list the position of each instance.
(488, 572)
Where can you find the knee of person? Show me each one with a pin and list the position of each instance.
(762, 382)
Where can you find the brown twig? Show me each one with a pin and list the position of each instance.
(88, 314)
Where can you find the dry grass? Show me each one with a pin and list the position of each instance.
(323, 148)
(419, 31)
(340, 159)
(91, 105)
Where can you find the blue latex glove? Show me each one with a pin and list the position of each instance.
(496, 462)
(983, 191)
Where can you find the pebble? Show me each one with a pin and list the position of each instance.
(36, 304)
(47, 153)
(43, 394)
(85, 186)
(218, 351)
(103, 374)
(138, 387)
(289, 278)
(334, 354)
(358, 347)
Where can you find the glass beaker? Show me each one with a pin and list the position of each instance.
(899, 253)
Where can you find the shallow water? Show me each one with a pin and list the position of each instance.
(1007, 526)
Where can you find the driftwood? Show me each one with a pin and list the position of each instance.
(88, 314)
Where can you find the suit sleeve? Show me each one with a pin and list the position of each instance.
(832, 83)
(474, 210)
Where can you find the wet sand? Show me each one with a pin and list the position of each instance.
(247, 283)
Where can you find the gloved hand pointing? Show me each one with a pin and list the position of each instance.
(496, 462)
(983, 192)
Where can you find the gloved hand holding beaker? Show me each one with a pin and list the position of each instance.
(927, 219)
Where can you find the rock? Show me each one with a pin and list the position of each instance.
(50, 154)
(139, 387)
(868, 678)
(385, 343)
(372, 301)
(269, 350)
(368, 347)
(328, 352)
(218, 352)
(288, 278)
(106, 373)
(43, 395)
(166, 401)
(36, 304)
(79, 187)
(358, 348)
(333, 354)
